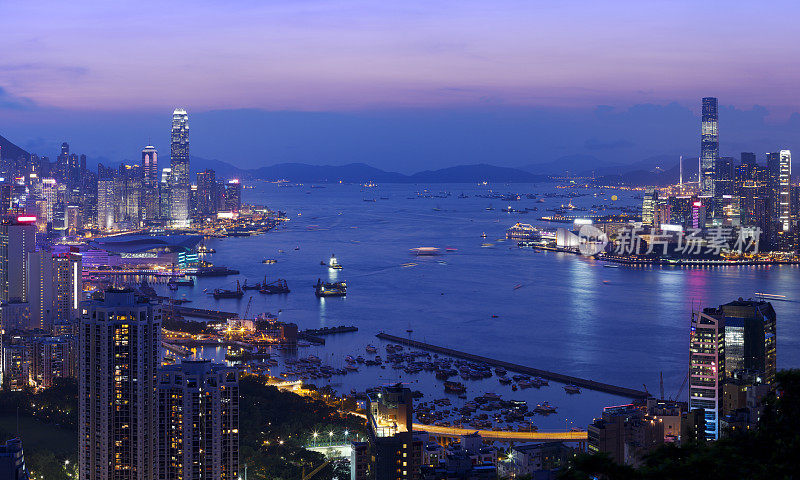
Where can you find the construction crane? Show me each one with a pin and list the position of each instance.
(315, 471)
(247, 309)
(683, 385)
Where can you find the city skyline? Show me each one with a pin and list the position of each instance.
(369, 83)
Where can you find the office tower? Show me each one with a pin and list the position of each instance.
(206, 192)
(17, 240)
(105, 203)
(150, 183)
(784, 190)
(179, 163)
(233, 196)
(120, 337)
(724, 177)
(73, 219)
(49, 193)
(393, 452)
(164, 197)
(750, 338)
(707, 367)
(12, 461)
(62, 162)
(198, 421)
(709, 146)
(648, 206)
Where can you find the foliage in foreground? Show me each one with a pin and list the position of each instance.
(771, 452)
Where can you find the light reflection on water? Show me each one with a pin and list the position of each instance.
(571, 315)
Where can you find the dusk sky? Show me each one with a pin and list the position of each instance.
(400, 85)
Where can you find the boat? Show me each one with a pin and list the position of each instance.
(572, 389)
(544, 408)
(371, 349)
(523, 231)
(425, 251)
(222, 293)
(504, 380)
(278, 286)
(325, 289)
(454, 387)
(181, 282)
(333, 264)
(269, 261)
(610, 265)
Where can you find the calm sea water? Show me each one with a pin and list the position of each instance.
(618, 325)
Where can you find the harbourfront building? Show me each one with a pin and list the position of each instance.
(119, 354)
(198, 421)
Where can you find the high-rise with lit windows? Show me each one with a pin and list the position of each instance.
(707, 367)
(198, 421)
(179, 164)
(709, 146)
(119, 354)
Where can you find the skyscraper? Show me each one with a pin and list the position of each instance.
(105, 202)
(736, 340)
(119, 354)
(709, 146)
(784, 190)
(179, 163)
(17, 240)
(707, 367)
(198, 421)
(206, 192)
(150, 180)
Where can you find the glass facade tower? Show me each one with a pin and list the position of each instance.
(709, 146)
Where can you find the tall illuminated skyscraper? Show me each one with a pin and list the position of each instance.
(784, 190)
(120, 338)
(198, 421)
(707, 367)
(709, 146)
(150, 180)
(179, 163)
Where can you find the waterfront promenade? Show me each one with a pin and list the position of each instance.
(513, 367)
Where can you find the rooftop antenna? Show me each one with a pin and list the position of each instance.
(680, 169)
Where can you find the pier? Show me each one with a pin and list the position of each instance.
(203, 313)
(513, 367)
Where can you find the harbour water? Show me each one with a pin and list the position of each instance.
(553, 311)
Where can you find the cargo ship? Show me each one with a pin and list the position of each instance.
(325, 289)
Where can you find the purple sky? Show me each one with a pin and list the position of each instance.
(94, 60)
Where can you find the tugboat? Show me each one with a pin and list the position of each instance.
(278, 286)
(325, 289)
(221, 293)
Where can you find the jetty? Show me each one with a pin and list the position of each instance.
(514, 367)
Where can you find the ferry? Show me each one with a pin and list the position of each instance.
(325, 289)
(425, 251)
(523, 231)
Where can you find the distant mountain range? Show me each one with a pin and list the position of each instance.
(656, 170)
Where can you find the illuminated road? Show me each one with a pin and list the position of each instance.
(499, 435)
